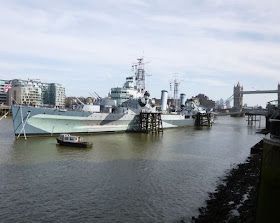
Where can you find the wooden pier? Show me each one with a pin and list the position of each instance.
(150, 122)
(203, 119)
(252, 119)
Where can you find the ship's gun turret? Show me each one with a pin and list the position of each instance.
(144, 100)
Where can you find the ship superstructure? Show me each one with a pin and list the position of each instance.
(122, 94)
(121, 112)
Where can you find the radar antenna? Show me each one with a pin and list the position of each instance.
(139, 70)
(176, 83)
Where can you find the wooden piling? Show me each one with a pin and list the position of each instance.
(252, 118)
(150, 122)
(203, 119)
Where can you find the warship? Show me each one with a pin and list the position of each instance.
(119, 112)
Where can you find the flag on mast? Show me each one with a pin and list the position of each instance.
(8, 87)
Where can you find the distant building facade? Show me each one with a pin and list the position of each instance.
(36, 93)
(204, 101)
(56, 95)
(70, 102)
(3, 95)
(26, 92)
(228, 104)
(223, 104)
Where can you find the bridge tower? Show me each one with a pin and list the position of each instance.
(237, 97)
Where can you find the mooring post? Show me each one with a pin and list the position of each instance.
(269, 191)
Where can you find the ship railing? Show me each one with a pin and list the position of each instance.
(149, 111)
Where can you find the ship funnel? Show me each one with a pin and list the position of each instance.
(182, 100)
(163, 102)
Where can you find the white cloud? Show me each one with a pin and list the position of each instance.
(219, 24)
(209, 42)
(210, 82)
(10, 66)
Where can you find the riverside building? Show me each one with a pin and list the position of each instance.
(3, 94)
(56, 95)
(26, 92)
(205, 101)
(36, 93)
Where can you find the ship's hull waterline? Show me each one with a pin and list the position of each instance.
(43, 121)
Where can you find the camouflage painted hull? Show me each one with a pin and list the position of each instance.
(45, 121)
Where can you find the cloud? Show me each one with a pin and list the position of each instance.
(213, 42)
(209, 82)
(218, 24)
(35, 66)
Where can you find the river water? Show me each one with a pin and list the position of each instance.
(124, 177)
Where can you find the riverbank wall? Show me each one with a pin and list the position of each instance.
(269, 191)
(250, 192)
(235, 199)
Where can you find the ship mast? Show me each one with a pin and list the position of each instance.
(139, 75)
(176, 83)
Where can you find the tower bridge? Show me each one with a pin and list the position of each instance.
(238, 93)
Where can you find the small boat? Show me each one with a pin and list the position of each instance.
(68, 140)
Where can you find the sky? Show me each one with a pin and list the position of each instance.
(89, 45)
